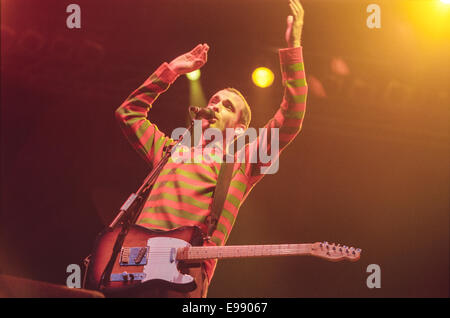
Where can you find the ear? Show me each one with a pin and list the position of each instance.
(240, 129)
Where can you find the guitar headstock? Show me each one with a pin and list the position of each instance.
(335, 252)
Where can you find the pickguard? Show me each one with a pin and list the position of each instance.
(161, 260)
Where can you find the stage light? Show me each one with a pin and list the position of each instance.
(262, 77)
(429, 21)
(339, 66)
(193, 76)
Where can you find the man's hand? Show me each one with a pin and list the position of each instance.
(294, 24)
(190, 61)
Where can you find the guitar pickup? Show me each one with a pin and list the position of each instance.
(130, 256)
(140, 255)
(125, 256)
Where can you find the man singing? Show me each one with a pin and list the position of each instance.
(183, 192)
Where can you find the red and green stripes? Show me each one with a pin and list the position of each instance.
(182, 195)
(143, 135)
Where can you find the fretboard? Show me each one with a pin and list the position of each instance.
(208, 252)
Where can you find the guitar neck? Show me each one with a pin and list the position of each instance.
(237, 251)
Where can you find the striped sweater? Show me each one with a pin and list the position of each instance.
(182, 194)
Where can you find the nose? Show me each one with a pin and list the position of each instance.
(215, 108)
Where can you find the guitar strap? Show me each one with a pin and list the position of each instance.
(219, 196)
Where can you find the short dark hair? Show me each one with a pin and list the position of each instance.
(246, 114)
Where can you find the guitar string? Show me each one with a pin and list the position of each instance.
(212, 250)
(236, 251)
(234, 255)
(231, 251)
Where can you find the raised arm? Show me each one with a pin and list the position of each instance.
(143, 135)
(289, 117)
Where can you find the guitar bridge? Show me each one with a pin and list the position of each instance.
(127, 277)
(133, 256)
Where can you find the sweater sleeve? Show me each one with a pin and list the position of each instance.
(287, 121)
(144, 136)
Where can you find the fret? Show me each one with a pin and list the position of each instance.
(219, 252)
(265, 250)
(209, 252)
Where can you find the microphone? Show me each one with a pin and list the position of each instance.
(202, 112)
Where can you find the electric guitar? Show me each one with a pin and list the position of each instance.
(153, 256)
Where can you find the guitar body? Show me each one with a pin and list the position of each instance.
(147, 259)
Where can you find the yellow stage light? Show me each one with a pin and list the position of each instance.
(194, 75)
(262, 77)
(445, 1)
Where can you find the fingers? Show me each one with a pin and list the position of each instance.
(199, 50)
(204, 56)
(199, 55)
(294, 9)
(297, 5)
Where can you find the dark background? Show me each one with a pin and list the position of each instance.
(369, 169)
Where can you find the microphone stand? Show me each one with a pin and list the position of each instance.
(127, 216)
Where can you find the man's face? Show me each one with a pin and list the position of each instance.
(227, 107)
